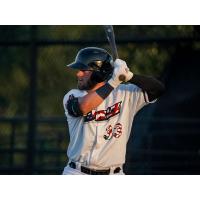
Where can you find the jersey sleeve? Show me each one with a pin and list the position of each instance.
(137, 97)
(74, 123)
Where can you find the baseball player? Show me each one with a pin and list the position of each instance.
(101, 110)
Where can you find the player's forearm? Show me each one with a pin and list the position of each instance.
(153, 87)
(89, 102)
(94, 98)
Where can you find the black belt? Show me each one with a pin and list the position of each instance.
(93, 171)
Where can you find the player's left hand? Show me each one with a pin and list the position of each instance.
(119, 63)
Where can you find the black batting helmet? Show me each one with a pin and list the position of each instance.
(96, 60)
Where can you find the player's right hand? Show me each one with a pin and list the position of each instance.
(120, 68)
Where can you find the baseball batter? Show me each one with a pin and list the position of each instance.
(101, 110)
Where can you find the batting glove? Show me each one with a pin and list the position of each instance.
(120, 68)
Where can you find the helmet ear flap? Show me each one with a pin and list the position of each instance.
(103, 74)
(97, 77)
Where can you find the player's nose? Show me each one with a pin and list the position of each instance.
(79, 73)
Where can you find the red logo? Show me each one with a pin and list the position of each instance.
(102, 115)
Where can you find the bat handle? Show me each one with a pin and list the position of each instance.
(122, 78)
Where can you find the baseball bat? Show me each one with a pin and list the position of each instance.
(111, 39)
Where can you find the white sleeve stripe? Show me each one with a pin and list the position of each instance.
(146, 99)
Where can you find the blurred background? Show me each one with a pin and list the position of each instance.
(165, 136)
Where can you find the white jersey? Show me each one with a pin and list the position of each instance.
(98, 140)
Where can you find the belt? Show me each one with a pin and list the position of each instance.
(93, 171)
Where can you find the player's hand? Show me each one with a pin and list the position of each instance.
(120, 68)
(128, 76)
(125, 69)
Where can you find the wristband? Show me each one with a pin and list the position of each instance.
(104, 91)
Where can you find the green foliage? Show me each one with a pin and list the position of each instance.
(14, 81)
(12, 33)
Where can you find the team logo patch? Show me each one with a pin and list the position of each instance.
(102, 115)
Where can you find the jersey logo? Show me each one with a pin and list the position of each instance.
(103, 115)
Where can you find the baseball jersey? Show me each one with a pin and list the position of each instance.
(98, 140)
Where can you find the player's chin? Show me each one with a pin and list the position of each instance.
(81, 86)
(85, 86)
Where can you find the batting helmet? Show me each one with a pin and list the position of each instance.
(96, 60)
